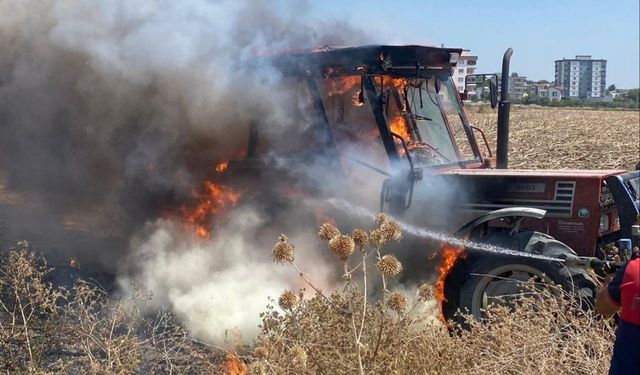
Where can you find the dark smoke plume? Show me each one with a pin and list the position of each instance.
(112, 111)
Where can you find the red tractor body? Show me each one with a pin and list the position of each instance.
(580, 210)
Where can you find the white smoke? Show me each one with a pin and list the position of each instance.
(217, 285)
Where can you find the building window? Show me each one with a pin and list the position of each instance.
(460, 79)
(460, 70)
(554, 94)
(470, 71)
(460, 88)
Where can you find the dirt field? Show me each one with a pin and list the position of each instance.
(566, 138)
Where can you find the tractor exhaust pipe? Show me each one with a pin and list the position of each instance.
(502, 147)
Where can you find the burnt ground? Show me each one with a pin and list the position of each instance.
(73, 249)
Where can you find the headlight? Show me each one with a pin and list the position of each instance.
(604, 223)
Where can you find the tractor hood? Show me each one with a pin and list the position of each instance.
(560, 173)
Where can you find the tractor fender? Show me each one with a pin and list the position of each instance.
(503, 212)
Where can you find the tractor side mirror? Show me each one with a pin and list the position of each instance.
(493, 93)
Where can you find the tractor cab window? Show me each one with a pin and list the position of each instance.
(356, 135)
(453, 112)
(441, 136)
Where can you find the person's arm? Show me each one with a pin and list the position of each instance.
(608, 297)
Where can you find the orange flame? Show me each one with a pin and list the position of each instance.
(449, 257)
(221, 167)
(342, 85)
(211, 201)
(358, 99)
(398, 125)
(235, 366)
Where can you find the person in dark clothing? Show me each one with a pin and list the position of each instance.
(622, 293)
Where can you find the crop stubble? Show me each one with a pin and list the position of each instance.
(563, 138)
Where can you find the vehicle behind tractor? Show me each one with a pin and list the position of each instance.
(391, 121)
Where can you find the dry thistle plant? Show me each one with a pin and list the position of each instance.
(328, 231)
(342, 246)
(44, 330)
(28, 311)
(544, 331)
(288, 300)
(351, 312)
(389, 265)
(47, 331)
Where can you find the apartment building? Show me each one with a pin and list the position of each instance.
(517, 86)
(582, 77)
(466, 65)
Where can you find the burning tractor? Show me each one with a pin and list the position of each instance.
(390, 120)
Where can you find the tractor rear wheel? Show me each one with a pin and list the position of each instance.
(492, 279)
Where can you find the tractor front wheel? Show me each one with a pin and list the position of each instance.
(496, 279)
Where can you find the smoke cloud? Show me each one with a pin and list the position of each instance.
(111, 112)
(218, 285)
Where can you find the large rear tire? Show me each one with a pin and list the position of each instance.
(498, 279)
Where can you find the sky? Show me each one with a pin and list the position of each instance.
(539, 31)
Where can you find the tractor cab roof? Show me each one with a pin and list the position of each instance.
(372, 59)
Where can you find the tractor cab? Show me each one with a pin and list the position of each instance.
(384, 115)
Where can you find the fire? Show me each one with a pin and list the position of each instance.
(221, 167)
(343, 85)
(358, 99)
(211, 200)
(449, 257)
(235, 366)
(398, 125)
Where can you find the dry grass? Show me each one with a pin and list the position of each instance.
(83, 331)
(349, 332)
(44, 330)
(564, 138)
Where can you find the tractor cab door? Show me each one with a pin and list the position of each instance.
(360, 147)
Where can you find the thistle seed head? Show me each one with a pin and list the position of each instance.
(425, 292)
(328, 231)
(342, 246)
(397, 302)
(381, 218)
(288, 300)
(299, 356)
(389, 265)
(257, 368)
(261, 352)
(360, 237)
(376, 238)
(391, 230)
(283, 250)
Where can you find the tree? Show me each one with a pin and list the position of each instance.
(633, 95)
(611, 87)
